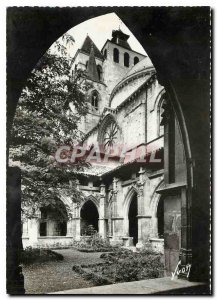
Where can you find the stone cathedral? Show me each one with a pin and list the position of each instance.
(123, 202)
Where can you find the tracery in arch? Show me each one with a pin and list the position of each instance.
(109, 133)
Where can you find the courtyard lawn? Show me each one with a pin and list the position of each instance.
(48, 277)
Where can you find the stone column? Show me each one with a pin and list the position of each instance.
(69, 228)
(77, 224)
(116, 220)
(102, 212)
(15, 280)
(25, 231)
(77, 218)
(154, 225)
(114, 202)
(144, 219)
(33, 225)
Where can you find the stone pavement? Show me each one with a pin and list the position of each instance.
(151, 286)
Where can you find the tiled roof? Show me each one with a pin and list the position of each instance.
(120, 38)
(95, 170)
(91, 68)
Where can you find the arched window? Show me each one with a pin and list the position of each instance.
(116, 55)
(160, 112)
(86, 64)
(109, 133)
(95, 100)
(105, 53)
(99, 71)
(136, 60)
(126, 59)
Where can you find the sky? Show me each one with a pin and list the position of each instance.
(99, 30)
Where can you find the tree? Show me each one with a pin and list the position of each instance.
(48, 113)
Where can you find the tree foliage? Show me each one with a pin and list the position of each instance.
(49, 110)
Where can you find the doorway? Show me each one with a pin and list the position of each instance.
(89, 218)
(133, 220)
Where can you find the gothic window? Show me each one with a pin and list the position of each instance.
(105, 53)
(160, 112)
(169, 123)
(95, 100)
(136, 60)
(116, 55)
(110, 135)
(126, 59)
(99, 71)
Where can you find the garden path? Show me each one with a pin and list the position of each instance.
(48, 277)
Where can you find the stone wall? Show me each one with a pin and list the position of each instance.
(130, 118)
(114, 72)
(49, 242)
(81, 60)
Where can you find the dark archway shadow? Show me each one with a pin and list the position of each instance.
(133, 220)
(160, 217)
(89, 217)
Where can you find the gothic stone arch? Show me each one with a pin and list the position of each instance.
(133, 191)
(89, 215)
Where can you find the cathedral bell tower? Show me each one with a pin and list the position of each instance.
(90, 60)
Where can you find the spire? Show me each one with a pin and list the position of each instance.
(91, 68)
(86, 47)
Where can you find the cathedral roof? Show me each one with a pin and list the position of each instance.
(140, 66)
(86, 47)
(135, 79)
(95, 170)
(120, 38)
(91, 68)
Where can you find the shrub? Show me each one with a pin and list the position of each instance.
(89, 230)
(125, 265)
(94, 243)
(31, 255)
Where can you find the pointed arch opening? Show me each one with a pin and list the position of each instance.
(53, 221)
(89, 218)
(133, 220)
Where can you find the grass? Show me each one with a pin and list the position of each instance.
(53, 276)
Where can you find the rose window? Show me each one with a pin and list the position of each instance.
(111, 134)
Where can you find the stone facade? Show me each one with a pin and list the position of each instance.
(125, 97)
